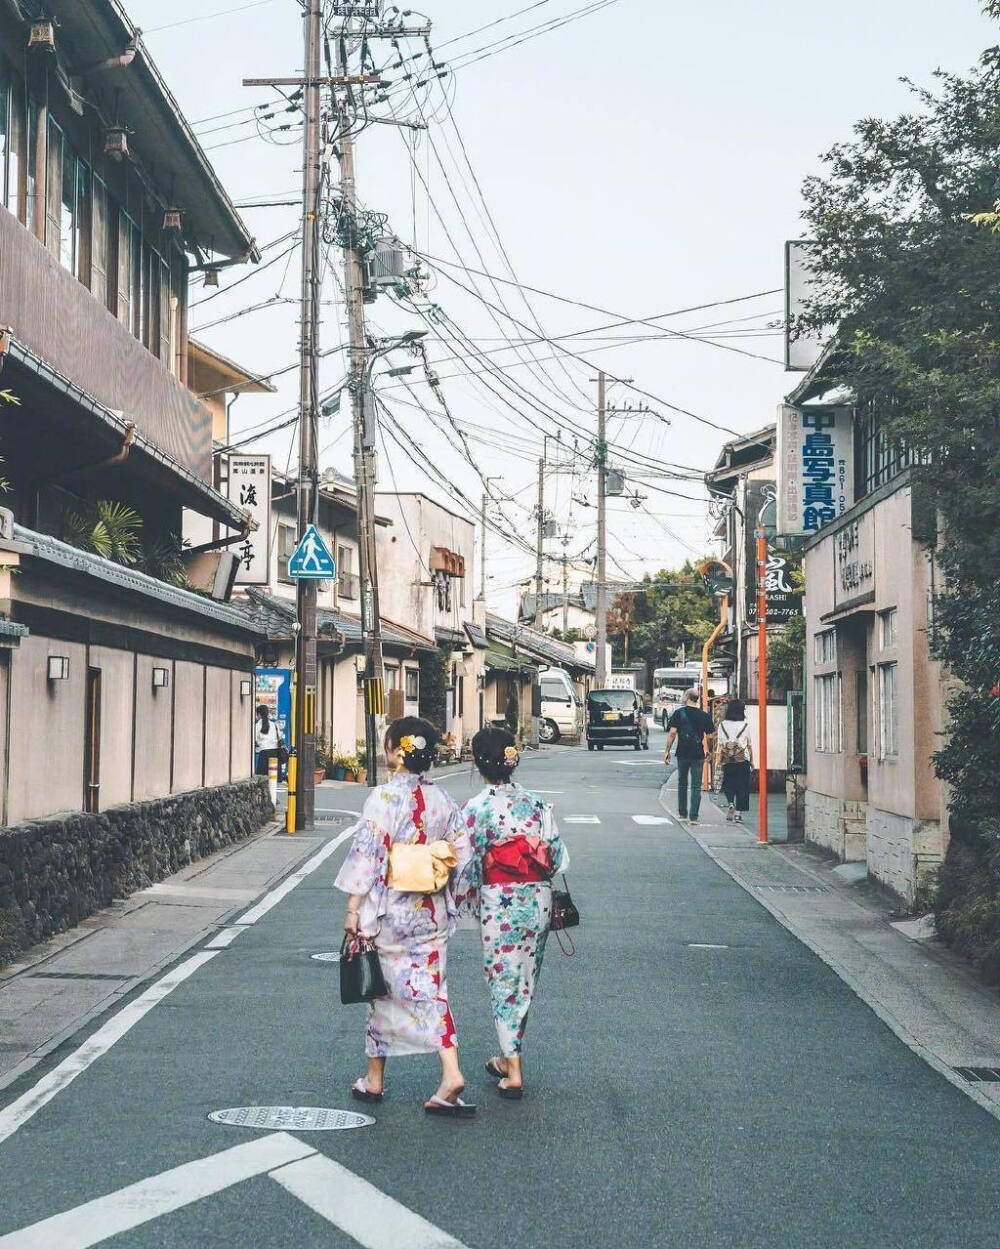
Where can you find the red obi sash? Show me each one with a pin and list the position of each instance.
(517, 861)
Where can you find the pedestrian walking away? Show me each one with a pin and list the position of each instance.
(267, 740)
(409, 846)
(734, 756)
(688, 727)
(516, 849)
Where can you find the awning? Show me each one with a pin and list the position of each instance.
(277, 617)
(84, 420)
(507, 665)
(476, 636)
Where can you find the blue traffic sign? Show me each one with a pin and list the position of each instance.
(311, 559)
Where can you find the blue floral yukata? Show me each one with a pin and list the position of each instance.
(514, 918)
(411, 930)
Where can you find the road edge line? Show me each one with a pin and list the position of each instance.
(881, 1012)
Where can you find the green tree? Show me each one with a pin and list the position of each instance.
(664, 613)
(909, 272)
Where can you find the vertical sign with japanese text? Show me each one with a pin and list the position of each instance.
(782, 580)
(249, 487)
(815, 467)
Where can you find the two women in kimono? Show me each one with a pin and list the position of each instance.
(505, 847)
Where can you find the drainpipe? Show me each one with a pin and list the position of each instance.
(112, 62)
(706, 651)
(245, 532)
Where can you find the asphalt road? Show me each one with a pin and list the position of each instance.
(678, 1096)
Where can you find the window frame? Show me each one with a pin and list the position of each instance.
(888, 636)
(887, 723)
(828, 726)
(412, 683)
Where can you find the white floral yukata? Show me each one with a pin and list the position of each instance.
(515, 918)
(410, 930)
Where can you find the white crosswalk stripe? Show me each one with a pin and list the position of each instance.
(580, 819)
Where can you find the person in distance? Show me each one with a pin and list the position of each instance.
(688, 727)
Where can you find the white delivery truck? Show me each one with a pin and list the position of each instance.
(562, 710)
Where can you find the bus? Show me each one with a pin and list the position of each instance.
(669, 687)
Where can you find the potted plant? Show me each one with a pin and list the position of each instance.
(350, 767)
(339, 770)
(361, 754)
(322, 759)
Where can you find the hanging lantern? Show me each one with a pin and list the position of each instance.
(116, 142)
(43, 36)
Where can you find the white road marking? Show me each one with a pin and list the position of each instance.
(367, 1215)
(224, 938)
(643, 763)
(548, 791)
(701, 945)
(20, 1111)
(581, 819)
(345, 1200)
(650, 819)
(149, 1199)
(40, 1094)
(271, 900)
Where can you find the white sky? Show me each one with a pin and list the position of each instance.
(644, 159)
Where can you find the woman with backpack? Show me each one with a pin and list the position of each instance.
(409, 847)
(734, 755)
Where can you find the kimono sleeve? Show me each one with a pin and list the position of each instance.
(560, 852)
(467, 876)
(359, 872)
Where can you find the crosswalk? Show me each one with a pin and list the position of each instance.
(642, 820)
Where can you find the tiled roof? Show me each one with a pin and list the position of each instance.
(538, 644)
(277, 616)
(44, 546)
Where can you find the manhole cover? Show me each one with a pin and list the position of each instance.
(985, 1075)
(291, 1118)
(332, 956)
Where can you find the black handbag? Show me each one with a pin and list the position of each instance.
(564, 912)
(361, 978)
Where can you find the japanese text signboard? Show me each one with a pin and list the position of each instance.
(782, 583)
(249, 487)
(815, 467)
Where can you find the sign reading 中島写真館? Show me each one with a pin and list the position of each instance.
(249, 487)
(815, 467)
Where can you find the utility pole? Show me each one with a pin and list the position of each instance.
(601, 666)
(482, 549)
(565, 595)
(539, 552)
(302, 802)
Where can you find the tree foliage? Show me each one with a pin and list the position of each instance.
(909, 278)
(665, 612)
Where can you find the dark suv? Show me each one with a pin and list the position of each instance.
(616, 718)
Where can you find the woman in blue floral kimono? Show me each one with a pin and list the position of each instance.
(516, 848)
(410, 929)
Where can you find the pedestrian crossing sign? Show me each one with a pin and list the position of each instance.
(311, 559)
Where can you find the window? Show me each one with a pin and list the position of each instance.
(100, 241)
(12, 146)
(826, 647)
(286, 549)
(861, 710)
(554, 692)
(5, 140)
(887, 711)
(412, 685)
(392, 678)
(887, 629)
(128, 245)
(828, 713)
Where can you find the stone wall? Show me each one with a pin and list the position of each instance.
(903, 853)
(54, 872)
(836, 825)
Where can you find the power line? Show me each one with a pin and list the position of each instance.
(207, 17)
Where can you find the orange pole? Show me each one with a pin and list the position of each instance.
(762, 676)
(706, 650)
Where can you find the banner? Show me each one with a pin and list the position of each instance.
(249, 487)
(782, 584)
(815, 450)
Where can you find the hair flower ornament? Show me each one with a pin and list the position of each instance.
(409, 744)
(511, 756)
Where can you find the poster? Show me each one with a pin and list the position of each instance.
(249, 488)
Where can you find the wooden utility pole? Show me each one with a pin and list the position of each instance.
(565, 595)
(601, 665)
(539, 548)
(303, 801)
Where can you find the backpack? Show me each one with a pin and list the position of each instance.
(734, 749)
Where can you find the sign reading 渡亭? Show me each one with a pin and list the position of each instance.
(815, 467)
(249, 487)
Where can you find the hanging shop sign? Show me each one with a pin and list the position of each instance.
(249, 487)
(782, 582)
(815, 467)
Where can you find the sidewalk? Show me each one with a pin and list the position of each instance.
(55, 988)
(777, 814)
(932, 1000)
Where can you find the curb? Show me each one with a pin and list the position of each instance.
(878, 1008)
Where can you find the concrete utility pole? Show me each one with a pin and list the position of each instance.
(303, 801)
(363, 401)
(565, 595)
(539, 552)
(482, 549)
(601, 665)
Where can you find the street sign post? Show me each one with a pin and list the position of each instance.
(311, 560)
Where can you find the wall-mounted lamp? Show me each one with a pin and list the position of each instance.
(58, 667)
(246, 689)
(481, 681)
(161, 678)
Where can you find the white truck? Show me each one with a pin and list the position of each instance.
(562, 710)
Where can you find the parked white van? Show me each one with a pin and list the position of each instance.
(562, 710)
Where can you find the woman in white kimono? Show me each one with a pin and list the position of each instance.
(410, 929)
(516, 848)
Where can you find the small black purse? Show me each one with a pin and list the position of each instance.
(361, 978)
(564, 912)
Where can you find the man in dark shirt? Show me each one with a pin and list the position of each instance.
(688, 727)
